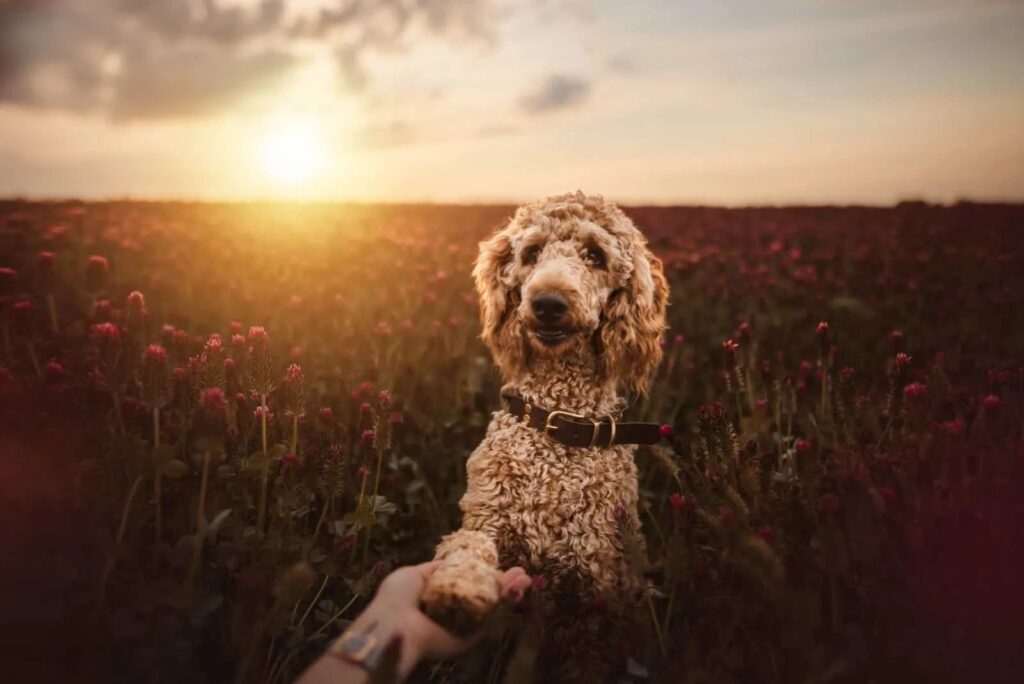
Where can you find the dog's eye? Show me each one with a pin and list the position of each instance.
(595, 257)
(530, 254)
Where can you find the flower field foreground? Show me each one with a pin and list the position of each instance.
(221, 425)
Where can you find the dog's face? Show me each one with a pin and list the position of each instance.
(572, 270)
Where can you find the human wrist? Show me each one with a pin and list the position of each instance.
(387, 622)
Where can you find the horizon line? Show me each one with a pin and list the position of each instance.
(494, 202)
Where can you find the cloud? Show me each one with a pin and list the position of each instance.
(191, 82)
(132, 59)
(496, 131)
(554, 93)
(621, 64)
(392, 134)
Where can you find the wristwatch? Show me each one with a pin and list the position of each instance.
(358, 647)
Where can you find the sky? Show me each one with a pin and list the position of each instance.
(672, 101)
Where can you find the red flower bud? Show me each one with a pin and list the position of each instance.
(823, 339)
(914, 391)
(952, 428)
(102, 310)
(896, 341)
(105, 333)
(137, 303)
(680, 502)
(727, 516)
(213, 399)
(156, 355)
(258, 336)
(45, 265)
(55, 373)
(96, 273)
(829, 504)
(8, 276)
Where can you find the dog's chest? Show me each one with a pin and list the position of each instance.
(560, 506)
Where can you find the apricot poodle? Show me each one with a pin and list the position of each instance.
(573, 309)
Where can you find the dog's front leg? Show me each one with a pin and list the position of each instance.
(463, 590)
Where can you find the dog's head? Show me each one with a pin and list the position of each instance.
(572, 270)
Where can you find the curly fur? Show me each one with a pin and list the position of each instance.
(569, 514)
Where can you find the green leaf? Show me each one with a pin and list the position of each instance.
(174, 469)
(384, 507)
(162, 453)
(255, 462)
(218, 521)
(277, 452)
(361, 517)
(855, 307)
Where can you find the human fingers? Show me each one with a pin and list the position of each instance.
(404, 585)
(514, 583)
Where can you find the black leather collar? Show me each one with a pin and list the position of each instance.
(574, 430)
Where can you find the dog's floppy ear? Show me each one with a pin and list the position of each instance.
(634, 320)
(502, 332)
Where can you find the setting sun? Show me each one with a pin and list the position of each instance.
(291, 153)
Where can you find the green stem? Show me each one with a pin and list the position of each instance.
(262, 514)
(112, 560)
(295, 434)
(657, 625)
(668, 610)
(7, 342)
(197, 546)
(323, 515)
(35, 360)
(118, 416)
(334, 617)
(359, 505)
(376, 489)
(654, 521)
(157, 481)
(51, 305)
(313, 602)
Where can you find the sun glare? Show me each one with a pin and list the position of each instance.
(292, 152)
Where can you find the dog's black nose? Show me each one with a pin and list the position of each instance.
(549, 307)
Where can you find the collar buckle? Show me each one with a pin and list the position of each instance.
(549, 424)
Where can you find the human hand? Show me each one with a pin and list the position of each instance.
(395, 612)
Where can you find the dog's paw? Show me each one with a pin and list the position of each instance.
(460, 594)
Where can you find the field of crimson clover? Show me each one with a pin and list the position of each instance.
(221, 425)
